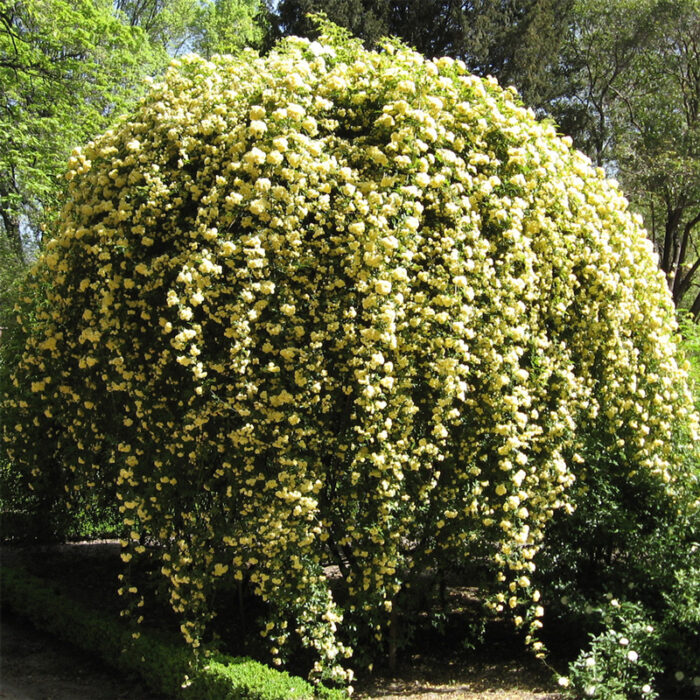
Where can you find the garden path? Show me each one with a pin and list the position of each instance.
(35, 666)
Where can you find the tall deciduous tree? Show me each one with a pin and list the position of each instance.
(168, 23)
(633, 77)
(227, 26)
(204, 26)
(659, 150)
(66, 67)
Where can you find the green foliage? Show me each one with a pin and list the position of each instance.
(11, 273)
(30, 515)
(630, 100)
(163, 665)
(621, 661)
(65, 69)
(365, 20)
(680, 626)
(167, 23)
(629, 540)
(517, 41)
(634, 651)
(228, 26)
(14, 496)
(625, 531)
(690, 346)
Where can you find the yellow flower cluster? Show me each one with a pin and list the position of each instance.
(340, 306)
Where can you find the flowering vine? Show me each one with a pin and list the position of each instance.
(339, 306)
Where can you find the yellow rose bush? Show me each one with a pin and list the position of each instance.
(339, 307)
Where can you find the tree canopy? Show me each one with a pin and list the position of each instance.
(631, 102)
(68, 68)
(65, 68)
(228, 26)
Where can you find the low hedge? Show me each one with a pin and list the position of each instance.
(165, 666)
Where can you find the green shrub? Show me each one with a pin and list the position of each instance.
(333, 306)
(165, 666)
(636, 652)
(633, 541)
(680, 628)
(621, 661)
(690, 345)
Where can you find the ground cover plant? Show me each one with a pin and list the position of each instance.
(335, 325)
(160, 661)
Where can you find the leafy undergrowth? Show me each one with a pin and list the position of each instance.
(435, 664)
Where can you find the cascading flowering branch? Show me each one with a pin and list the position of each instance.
(335, 305)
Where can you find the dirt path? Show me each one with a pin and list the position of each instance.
(35, 666)
(472, 677)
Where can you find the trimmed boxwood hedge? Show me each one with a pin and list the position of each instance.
(165, 666)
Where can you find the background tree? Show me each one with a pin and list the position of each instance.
(659, 149)
(366, 19)
(515, 40)
(632, 76)
(204, 26)
(65, 69)
(167, 23)
(227, 26)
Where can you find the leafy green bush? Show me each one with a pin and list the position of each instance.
(334, 306)
(690, 345)
(627, 536)
(622, 660)
(635, 652)
(632, 540)
(680, 628)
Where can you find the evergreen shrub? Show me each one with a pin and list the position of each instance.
(164, 665)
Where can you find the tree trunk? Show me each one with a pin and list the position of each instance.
(683, 280)
(668, 257)
(10, 224)
(393, 634)
(695, 308)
